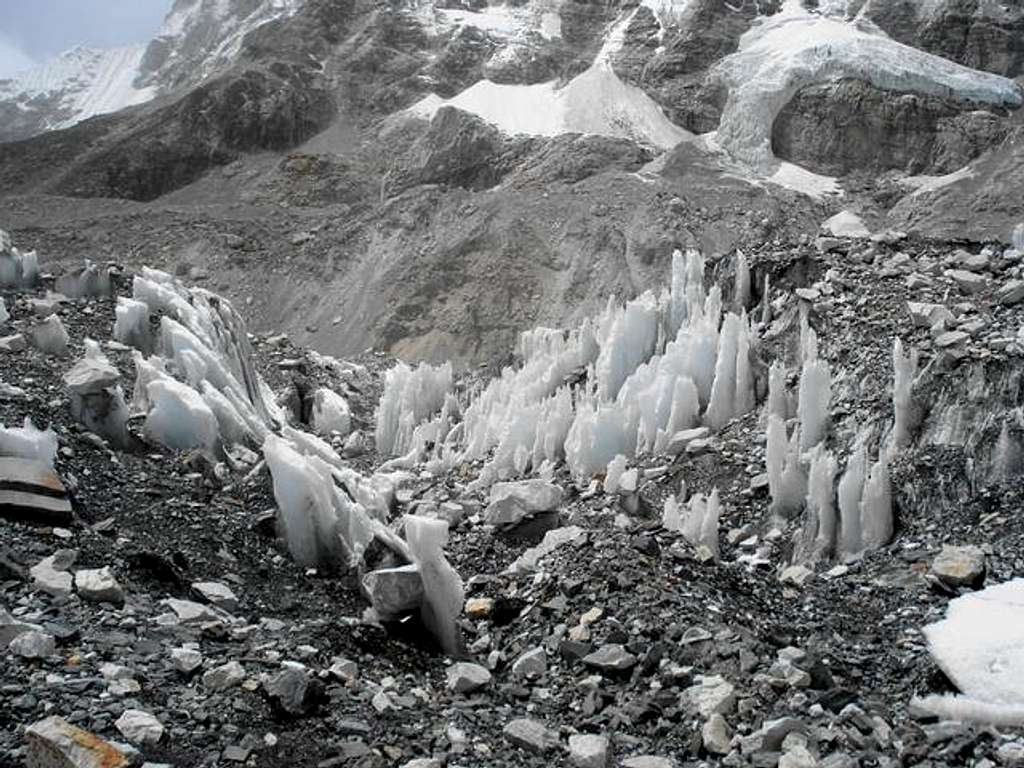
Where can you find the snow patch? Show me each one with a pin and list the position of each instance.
(980, 646)
(594, 102)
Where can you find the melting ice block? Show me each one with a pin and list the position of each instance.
(180, 419)
(49, 336)
(980, 647)
(131, 324)
(27, 442)
(442, 586)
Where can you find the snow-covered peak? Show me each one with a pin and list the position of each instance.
(198, 37)
(80, 83)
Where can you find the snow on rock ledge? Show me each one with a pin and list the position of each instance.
(594, 102)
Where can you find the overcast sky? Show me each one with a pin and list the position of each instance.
(34, 30)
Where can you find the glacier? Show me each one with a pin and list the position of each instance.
(784, 53)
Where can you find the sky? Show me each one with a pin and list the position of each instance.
(35, 30)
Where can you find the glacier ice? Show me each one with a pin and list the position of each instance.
(27, 442)
(86, 281)
(741, 283)
(980, 647)
(787, 482)
(97, 400)
(49, 336)
(328, 513)
(778, 401)
(813, 398)
(305, 504)
(851, 487)
(179, 418)
(699, 523)
(613, 473)
(207, 326)
(784, 53)
(17, 269)
(1018, 238)
(410, 397)
(331, 413)
(131, 324)
(232, 426)
(4, 314)
(876, 518)
(646, 370)
(817, 537)
(904, 371)
(374, 495)
(443, 591)
(630, 339)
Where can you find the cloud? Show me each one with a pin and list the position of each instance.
(44, 28)
(12, 59)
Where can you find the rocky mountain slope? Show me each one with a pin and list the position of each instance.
(407, 153)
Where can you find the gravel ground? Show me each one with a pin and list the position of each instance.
(841, 656)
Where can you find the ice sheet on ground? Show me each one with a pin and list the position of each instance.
(980, 644)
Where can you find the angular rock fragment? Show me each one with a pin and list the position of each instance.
(511, 503)
(99, 586)
(97, 400)
(464, 677)
(217, 594)
(33, 645)
(139, 727)
(968, 282)
(186, 660)
(612, 658)
(30, 490)
(552, 540)
(716, 735)
(959, 566)
(292, 690)
(394, 592)
(51, 573)
(648, 761)
(14, 343)
(712, 694)
(56, 743)
(530, 735)
(1011, 292)
(225, 676)
(928, 315)
(530, 665)
(11, 627)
